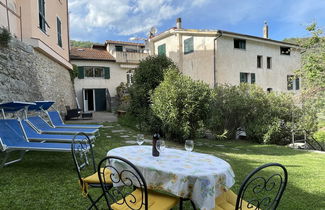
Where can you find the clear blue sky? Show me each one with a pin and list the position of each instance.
(100, 20)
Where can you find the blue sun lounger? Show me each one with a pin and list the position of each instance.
(13, 107)
(12, 138)
(43, 127)
(33, 135)
(54, 116)
(57, 122)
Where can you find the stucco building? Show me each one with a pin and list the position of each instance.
(222, 57)
(43, 26)
(101, 69)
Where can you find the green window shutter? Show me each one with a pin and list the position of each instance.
(41, 4)
(252, 78)
(162, 49)
(107, 73)
(297, 84)
(58, 26)
(242, 77)
(81, 72)
(289, 82)
(188, 45)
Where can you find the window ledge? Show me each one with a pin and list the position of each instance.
(186, 53)
(43, 31)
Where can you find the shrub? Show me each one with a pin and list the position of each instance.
(251, 108)
(181, 104)
(5, 37)
(146, 78)
(123, 97)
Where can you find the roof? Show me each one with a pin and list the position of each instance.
(124, 43)
(257, 37)
(100, 54)
(216, 32)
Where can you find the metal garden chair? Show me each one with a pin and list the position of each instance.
(81, 161)
(260, 190)
(129, 187)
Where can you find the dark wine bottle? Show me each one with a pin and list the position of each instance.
(155, 138)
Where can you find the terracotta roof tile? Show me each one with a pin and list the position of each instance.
(124, 43)
(80, 53)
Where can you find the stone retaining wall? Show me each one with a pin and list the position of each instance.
(29, 75)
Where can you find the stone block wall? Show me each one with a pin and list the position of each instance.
(29, 75)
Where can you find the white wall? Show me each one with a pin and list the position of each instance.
(117, 75)
(230, 62)
(198, 64)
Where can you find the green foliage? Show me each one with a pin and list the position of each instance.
(312, 73)
(5, 37)
(251, 108)
(83, 44)
(73, 72)
(122, 96)
(129, 121)
(146, 78)
(181, 104)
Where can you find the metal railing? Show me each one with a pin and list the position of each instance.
(129, 57)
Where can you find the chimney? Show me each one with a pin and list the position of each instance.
(179, 23)
(265, 30)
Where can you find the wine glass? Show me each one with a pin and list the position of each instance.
(140, 139)
(160, 146)
(189, 145)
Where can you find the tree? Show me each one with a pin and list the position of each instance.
(83, 44)
(182, 105)
(147, 77)
(312, 73)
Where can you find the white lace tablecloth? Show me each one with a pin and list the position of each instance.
(200, 177)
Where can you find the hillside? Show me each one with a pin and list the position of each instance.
(84, 44)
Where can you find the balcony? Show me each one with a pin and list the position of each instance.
(129, 57)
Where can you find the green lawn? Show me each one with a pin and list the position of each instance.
(45, 180)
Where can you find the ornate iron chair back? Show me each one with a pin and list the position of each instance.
(261, 190)
(82, 154)
(129, 186)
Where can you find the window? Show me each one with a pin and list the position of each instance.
(42, 21)
(162, 49)
(119, 48)
(269, 90)
(243, 77)
(99, 72)
(58, 28)
(247, 77)
(259, 61)
(131, 50)
(129, 78)
(240, 44)
(188, 45)
(252, 78)
(285, 50)
(293, 83)
(94, 71)
(269, 62)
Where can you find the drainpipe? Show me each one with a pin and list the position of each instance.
(214, 58)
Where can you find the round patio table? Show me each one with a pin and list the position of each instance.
(197, 176)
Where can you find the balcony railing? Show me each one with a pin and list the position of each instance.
(129, 57)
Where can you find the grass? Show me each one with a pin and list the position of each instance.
(45, 180)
